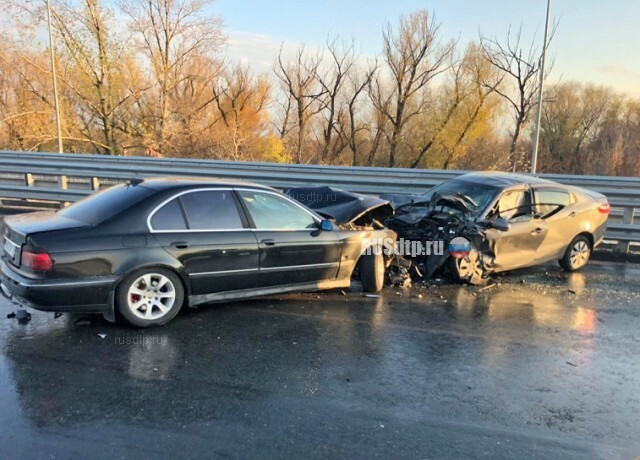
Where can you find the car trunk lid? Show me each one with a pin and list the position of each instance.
(18, 228)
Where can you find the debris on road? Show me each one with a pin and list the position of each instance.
(82, 322)
(488, 286)
(23, 316)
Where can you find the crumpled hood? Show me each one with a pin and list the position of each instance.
(454, 200)
(415, 211)
(342, 206)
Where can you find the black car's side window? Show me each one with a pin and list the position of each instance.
(273, 212)
(169, 217)
(549, 201)
(211, 210)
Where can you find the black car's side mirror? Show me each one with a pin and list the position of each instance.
(499, 223)
(326, 225)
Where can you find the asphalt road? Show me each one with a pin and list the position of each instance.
(543, 365)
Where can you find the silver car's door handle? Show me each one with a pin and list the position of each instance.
(268, 242)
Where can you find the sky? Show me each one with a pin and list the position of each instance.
(597, 41)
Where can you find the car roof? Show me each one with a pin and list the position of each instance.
(168, 183)
(505, 180)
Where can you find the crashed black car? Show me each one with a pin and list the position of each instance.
(144, 249)
(510, 221)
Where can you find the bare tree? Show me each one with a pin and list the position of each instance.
(522, 68)
(300, 84)
(241, 99)
(357, 125)
(332, 79)
(571, 119)
(483, 80)
(100, 71)
(171, 31)
(414, 56)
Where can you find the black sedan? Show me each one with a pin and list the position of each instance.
(147, 248)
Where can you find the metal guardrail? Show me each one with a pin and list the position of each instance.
(46, 177)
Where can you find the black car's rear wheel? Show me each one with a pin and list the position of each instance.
(150, 297)
(372, 272)
(577, 254)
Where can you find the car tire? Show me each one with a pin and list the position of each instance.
(469, 269)
(577, 254)
(150, 297)
(372, 272)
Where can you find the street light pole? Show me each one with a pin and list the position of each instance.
(56, 104)
(536, 137)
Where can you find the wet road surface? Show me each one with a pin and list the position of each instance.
(542, 365)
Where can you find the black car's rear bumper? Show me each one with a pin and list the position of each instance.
(79, 295)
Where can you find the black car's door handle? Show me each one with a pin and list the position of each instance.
(268, 242)
(180, 245)
(537, 231)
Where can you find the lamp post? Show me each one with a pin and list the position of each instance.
(56, 104)
(536, 137)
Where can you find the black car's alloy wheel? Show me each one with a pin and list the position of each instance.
(150, 297)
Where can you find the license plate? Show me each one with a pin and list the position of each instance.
(10, 248)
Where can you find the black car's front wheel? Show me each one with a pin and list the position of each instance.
(150, 297)
(372, 272)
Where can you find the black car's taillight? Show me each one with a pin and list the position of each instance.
(36, 260)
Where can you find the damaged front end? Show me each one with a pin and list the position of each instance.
(425, 228)
(351, 211)
(443, 238)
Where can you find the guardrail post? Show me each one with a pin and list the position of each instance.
(62, 182)
(623, 246)
(29, 180)
(95, 184)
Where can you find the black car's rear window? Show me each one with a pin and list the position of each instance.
(105, 204)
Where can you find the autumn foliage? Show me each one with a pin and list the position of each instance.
(150, 77)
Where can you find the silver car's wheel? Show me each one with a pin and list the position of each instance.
(579, 255)
(151, 296)
(470, 268)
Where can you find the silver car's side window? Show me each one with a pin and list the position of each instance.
(549, 201)
(515, 206)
